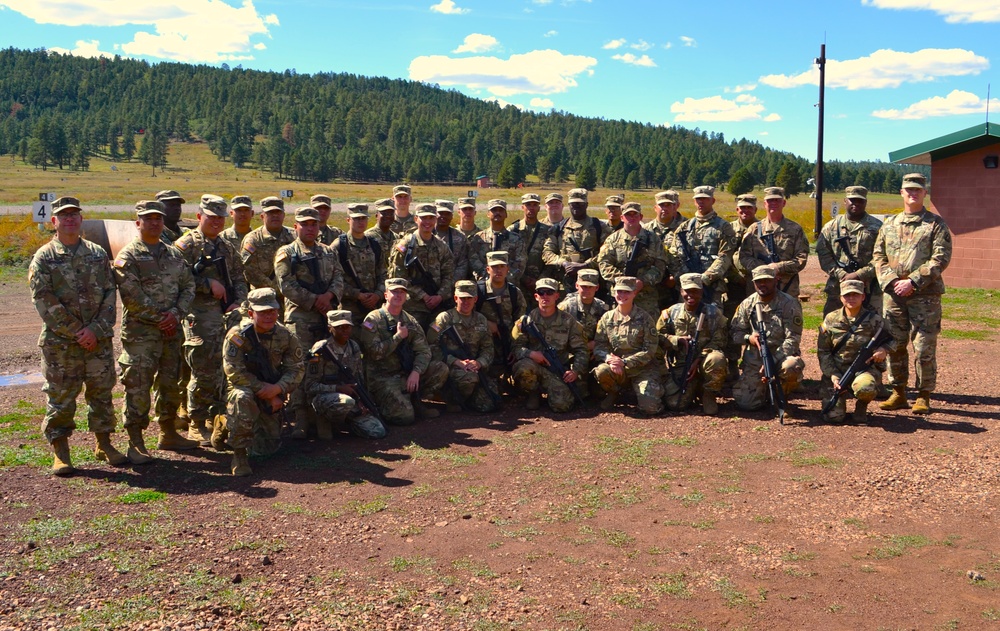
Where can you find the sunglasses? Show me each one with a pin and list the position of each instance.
(545, 292)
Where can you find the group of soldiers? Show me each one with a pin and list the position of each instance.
(233, 333)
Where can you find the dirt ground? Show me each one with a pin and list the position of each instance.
(522, 521)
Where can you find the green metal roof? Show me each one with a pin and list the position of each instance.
(977, 137)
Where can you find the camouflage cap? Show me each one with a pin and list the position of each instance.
(262, 299)
(339, 317)
(396, 283)
(547, 283)
(577, 195)
(527, 198)
(241, 201)
(496, 203)
(763, 272)
(272, 203)
(357, 210)
(446, 204)
(465, 289)
(320, 200)
(588, 277)
(425, 210)
(692, 281)
(165, 196)
(466, 202)
(306, 213)
(212, 205)
(670, 196)
(553, 196)
(401, 189)
(914, 180)
(701, 192)
(856, 192)
(614, 200)
(626, 283)
(774, 192)
(65, 203)
(852, 287)
(497, 257)
(147, 207)
(746, 200)
(385, 203)
(632, 207)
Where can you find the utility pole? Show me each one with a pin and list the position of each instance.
(821, 60)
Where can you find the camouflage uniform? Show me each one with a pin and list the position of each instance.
(259, 249)
(587, 316)
(836, 327)
(72, 288)
(170, 236)
(323, 375)
(490, 241)
(861, 241)
(665, 231)
(633, 338)
(737, 282)
(405, 225)
(783, 322)
(235, 238)
(436, 258)
(713, 241)
(572, 241)
(500, 308)
(676, 322)
(386, 379)
(151, 280)
(563, 333)
(328, 234)
(368, 261)
(533, 238)
(790, 244)
(474, 331)
(651, 264)
(459, 246)
(385, 240)
(468, 234)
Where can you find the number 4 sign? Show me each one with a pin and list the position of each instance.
(41, 211)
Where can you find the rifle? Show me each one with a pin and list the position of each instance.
(774, 389)
(347, 377)
(424, 279)
(556, 367)
(347, 264)
(861, 360)
(501, 328)
(689, 358)
(461, 350)
(317, 286)
(853, 264)
(772, 252)
(632, 262)
(258, 362)
(404, 350)
(694, 263)
(208, 261)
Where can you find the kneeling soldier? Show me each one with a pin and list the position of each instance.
(334, 383)
(263, 362)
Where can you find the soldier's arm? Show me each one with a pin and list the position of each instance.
(665, 332)
(791, 319)
(336, 285)
(234, 362)
(824, 349)
(727, 246)
(477, 256)
(518, 258)
(440, 323)
(375, 348)
(288, 284)
(577, 342)
(824, 252)
(103, 324)
(238, 276)
(801, 252)
(185, 291)
(255, 268)
(522, 306)
(550, 250)
(398, 269)
(53, 312)
(446, 288)
(421, 350)
(602, 345)
(485, 357)
(740, 326)
(607, 261)
(519, 340)
(139, 305)
(749, 256)
(657, 257)
(865, 246)
(886, 274)
(312, 383)
(292, 365)
(647, 352)
(940, 257)
(717, 328)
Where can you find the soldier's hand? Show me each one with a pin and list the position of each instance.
(323, 302)
(682, 341)
(368, 300)
(218, 289)
(538, 357)
(836, 382)
(494, 329)
(413, 382)
(617, 364)
(903, 287)
(671, 281)
(695, 365)
(763, 377)
(878, 356)
(269, 391)
(639, 285)
(276, 404)
(569, 377)
(432, 301)
(754, 340)
(851, 276)
(402, 331)
(572, 267)
(86, 339)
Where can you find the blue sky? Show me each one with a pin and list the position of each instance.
(899, 71)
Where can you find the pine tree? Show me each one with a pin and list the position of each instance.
(741, 182)
(586, 177)
(788, 178)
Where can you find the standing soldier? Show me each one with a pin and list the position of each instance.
(467, 350)
(323, 206)
(332, 392)
(532, 234)
(172, 207)
(506, 304)
(427, 264)
(263, 362)
(219, 289)
(637, 252)
(584, 305)
(533, 372)
(361, 258)
(455, 240)
(467, 217)
(626, 352)
(737, 279)
(385, 214)
(667, 220)
(312, 282)
(705, 245)
(778, 242)
(913, 248)
(574, 243)
(400, 370)
(845, 248)
(553, 209)
(677, 328)
(613, 209)
(260, 246)
(241, 210)
(403, 221)
(495, 238)
(74, 293)
(157, 289)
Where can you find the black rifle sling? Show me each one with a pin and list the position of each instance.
(850, 332)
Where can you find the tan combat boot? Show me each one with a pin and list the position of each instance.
(708, 403)
(170, 440)
(860, 414)
(220, 433)
(300, 430)
(198, 431)
(609, 401)
(106, 451)
(61, 464)
(137, 453)
(423, 411)
(923, 403)
(896, 401)
(241, 463)
(181, 422)
(534, 401)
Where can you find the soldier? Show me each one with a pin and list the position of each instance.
(361, 258)
(553, 209)
(842, 335)
(613, 209)
(533, 373)
(260, 246)
(667, 220)
(783, 322)
(323, 206)
(790, 250)
(737, 279)
(157, 289)
(172, 206)
(913, 248)
(705, 245)
(495, 238)
(403, 222)
(400, 370)
(845, 248)
(584, 305)
(427, 263)
(263, 362)
(241, 210)
(637, 252)
(456, 241)
(74, 293)
(506, 304)
(312, 282)
(626, 349)
(332, 392)
(211, 259)
(385, 214)
(532, 233)
(467, 217)
(574, 243)
(677, 327)
(467, 351)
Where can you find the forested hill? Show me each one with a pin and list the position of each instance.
(62, 109)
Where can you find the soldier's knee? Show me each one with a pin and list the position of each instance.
(865, 387)
(606, 378)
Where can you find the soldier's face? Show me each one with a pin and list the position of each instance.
(324, 213)
(497, 217)
(396, 297)
(465, 304)
(774, 205)
(704, 204)
(587, 292)
(746, 213)
(426, 224)
(264, 321)
(307, 231)
(665, 211)
(632, 219)
(554, 208)
(468, 214)
(357, 224)
(68, 223)
(913, 195)
(852, 300)
(614, 213)
(855, 206)
(546, 298)
(765, 287)
(402, 201)
(211, 225)
(173, 209)
(150, 226)
(444, 220)
(624, 297)
(578, 210)
(241, 216)
(273, 219)
(385, 218)
(342, 333)
(691, 297)
(498, 272)
(531, 211)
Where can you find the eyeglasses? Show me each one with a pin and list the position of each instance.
(545, 292)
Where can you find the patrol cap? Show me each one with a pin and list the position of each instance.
(320, 200)
(626, 283)
(914, 180)
(306, 213)
(357, 210)
(241, 201)
(213, 205)
(262, 299)
(497, 257)
(702, 192)
(547, 283)
(588, 277)
(466, 202)
(426, 210)
(577, 195)
(692, 281)
(272, 203)
(147, 207)
(856, 192)
(747, 200)
(401, 189)
(339, 317)
(763, 272)
(496, 203)
(774, 192)
(667, 196)
(385, 203)
(166, 196)
(65, 203)
(632, 207)
(466, 289)
(852, 287)
(614, 201)
(444, 204)
(552, 196)
(396, 283)
(527, 198)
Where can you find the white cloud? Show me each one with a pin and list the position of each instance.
(746, 87)
(543, 103)
(613, 44)
(887, 69)
(764, 133)
(260, 46)
(503, 103)
(957, 102)
(477, 43)
(668, 45)
(542, 1)
(641, 45)
(688, 41)
(551, 34)
(965, 11)
(744, 107)
(83, 48)
(772, 117)
(629, 58)
(448, 7)
(537, 72)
